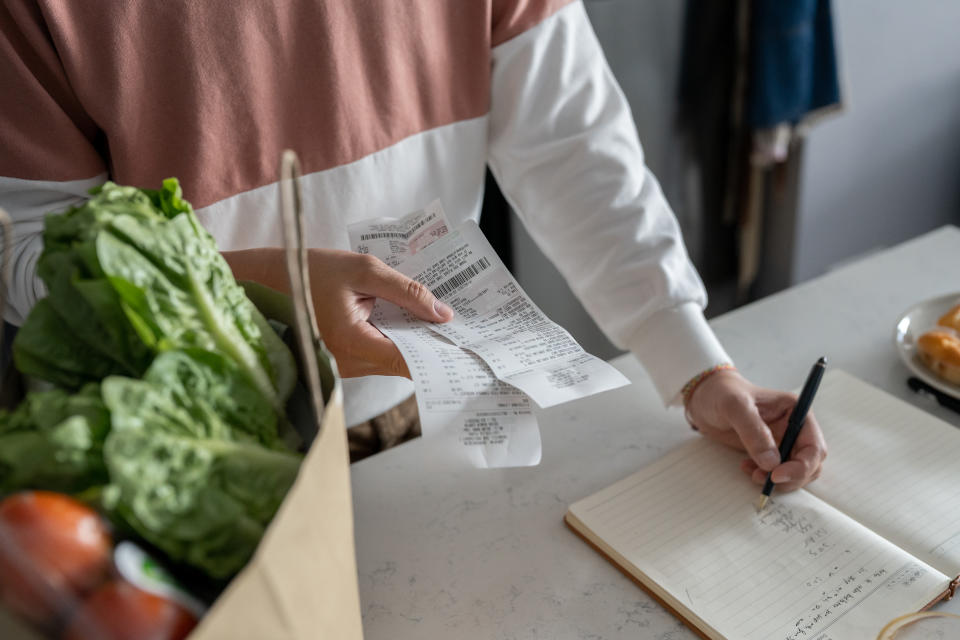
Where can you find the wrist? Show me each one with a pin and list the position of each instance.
(696, 381)
(265, 265)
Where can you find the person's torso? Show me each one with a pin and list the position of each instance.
(384, 102)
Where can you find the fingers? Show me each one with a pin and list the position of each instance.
(798, 470)
(804, 465)
(736, 412)
(759, 477)
(723, 436)
(370, 353)
(378, 279)
(346, 286)
(753, 432)
(775, 406)
(812, 436)
(806, 459)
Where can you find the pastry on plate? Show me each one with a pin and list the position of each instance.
(951, 319)
(939, 350)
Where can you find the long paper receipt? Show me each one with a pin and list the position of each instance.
(475, 375)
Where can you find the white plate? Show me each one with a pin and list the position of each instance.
(915, 322)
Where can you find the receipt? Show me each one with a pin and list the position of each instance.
(487, 422)
(394, 239)
(476, 374)
(496, 320)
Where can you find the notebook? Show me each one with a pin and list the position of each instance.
(876, 536)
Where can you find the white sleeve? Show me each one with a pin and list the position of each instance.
(27, 202)
(564, 149)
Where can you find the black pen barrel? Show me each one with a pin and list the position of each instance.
(800, 410)
(809, 390)
(798, 416)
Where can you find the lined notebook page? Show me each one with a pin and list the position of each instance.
(893, 467)
(800, 569)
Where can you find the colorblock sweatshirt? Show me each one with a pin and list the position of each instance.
(389, 104)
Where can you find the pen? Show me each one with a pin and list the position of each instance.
(795, 422)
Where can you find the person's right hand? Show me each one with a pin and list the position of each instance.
(731, 410)
(345, 287)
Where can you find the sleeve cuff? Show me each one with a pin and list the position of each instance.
(674, 345)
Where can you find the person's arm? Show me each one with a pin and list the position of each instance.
(564, 149)
(48, 154)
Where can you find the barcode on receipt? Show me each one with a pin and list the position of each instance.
(385, 234)
(397, 235)
(461, 278)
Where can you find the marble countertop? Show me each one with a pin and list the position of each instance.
(462, 553)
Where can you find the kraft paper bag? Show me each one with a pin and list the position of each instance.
(302, 581)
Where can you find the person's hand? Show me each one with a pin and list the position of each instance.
(729, 409)
(345, 287)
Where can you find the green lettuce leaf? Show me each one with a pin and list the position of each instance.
(54, 441)
(47, 347)
(187, 470)
(132, 274)
(213, 389)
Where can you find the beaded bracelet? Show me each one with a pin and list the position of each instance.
(688, 388)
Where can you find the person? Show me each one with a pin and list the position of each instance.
(389, 105)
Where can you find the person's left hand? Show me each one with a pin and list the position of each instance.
(731, 410)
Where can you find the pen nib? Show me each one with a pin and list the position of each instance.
(761, 502)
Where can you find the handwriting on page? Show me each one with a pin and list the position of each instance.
(854, 586)
(834, 602)
(811, 537)
(800, 570)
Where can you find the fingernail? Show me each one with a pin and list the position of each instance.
(768, 460)
(781, 477)
(442, 308)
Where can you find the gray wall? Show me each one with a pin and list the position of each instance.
(888, 168)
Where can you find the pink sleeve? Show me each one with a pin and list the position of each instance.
(513, 17)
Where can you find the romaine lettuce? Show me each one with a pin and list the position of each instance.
(188, 468)
(131, 274)
(54, 441)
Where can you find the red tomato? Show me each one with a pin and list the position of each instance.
(53, 549)
(120, 611)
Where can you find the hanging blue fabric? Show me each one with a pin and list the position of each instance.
(793, 67)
